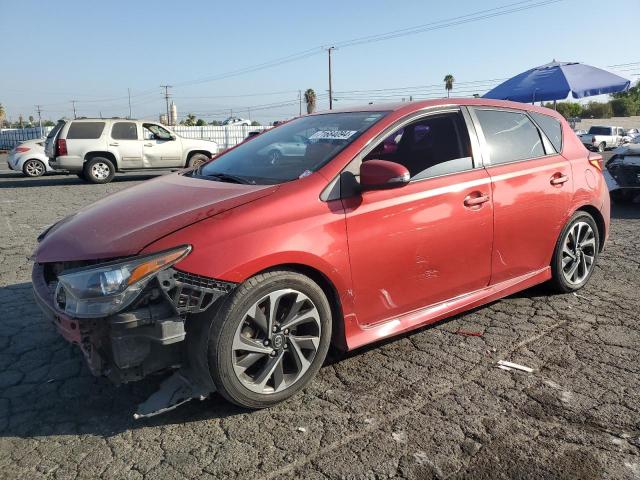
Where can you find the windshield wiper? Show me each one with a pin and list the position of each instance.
(224, 177)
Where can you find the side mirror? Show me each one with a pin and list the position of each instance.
(382, 174)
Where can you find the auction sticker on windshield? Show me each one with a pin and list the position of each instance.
(333, 134)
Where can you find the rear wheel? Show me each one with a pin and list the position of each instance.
(576, 253)
(269, 339)
(33, 168)
(99, 170)
(601, 147)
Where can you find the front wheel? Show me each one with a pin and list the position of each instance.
(33, 168)
(197, 159)
(269, 338)
(576, 253)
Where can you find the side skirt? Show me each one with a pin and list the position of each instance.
(360, 335)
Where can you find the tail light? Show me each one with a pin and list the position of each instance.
(22, 149)
(61, 147)
(596, 161)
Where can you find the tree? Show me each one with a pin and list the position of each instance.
(2, 114)
(48, 123)
(31, 119)
(255, 123)
(190, 121)
(310, 99)
(201, 123)
(215, 123)
(597, 110)
(567, 109)
(448, 83)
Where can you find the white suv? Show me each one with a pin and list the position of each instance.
(95, 149)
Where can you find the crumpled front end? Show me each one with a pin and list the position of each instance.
(622, 175)
(146, 337)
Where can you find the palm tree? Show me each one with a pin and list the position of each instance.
(448, 83)
(310, 99)
(2, 113)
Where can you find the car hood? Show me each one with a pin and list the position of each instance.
(126, 222)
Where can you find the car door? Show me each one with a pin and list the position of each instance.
(160, 148)
(531, 188)
(429, 240)
(125, 139)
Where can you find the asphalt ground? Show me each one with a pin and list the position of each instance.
(431, 404)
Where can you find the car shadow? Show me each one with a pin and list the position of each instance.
(46, 389)
(625, 211)
(18, 181)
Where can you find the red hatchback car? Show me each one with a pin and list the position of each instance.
(238, 275)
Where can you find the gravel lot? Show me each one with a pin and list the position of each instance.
(427, 405)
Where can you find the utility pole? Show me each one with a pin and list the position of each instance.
(129, 92)
(166, 98)
(39, 110)
(73, 102)
(300, 102)
(330, 87)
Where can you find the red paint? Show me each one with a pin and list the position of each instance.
(398, 258)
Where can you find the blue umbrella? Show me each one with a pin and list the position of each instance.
(555, 80)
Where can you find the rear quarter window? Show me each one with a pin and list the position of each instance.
(85, 130)
(551, 128)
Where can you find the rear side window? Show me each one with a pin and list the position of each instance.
(551, 128)
(124, 131)
(85, 130)
(510, 136)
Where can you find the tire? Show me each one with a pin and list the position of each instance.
(99, 170)
(33, 168)
(601, 147)
(197, 160)
(233, 329)
(582, 226)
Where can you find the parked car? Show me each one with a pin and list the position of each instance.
(236, 121)
(601, 138)
(238, 275)
(630, 135)
(276, 152)
(95, 149)
(580, 132)
(29, 158)
(622, 172)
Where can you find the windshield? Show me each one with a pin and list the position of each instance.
(600, 130)
(290, 151)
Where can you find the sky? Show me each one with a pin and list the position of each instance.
(93, 52)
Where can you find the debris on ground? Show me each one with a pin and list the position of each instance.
(467, 333)
(301, 429)
(504, 365)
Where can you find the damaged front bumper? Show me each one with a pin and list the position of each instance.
(147, 337)
(622, 174)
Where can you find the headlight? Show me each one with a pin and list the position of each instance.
(101, 290)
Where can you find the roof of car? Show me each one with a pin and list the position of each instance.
(422, 104)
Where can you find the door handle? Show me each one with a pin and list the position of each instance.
(148, 144)
(559, 179)
(475, 199)
(114, 144)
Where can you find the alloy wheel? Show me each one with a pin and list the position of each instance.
(276, 341)
(578, 253)
(100, 170)
(34, 168)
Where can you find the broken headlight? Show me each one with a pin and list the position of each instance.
(101, 290)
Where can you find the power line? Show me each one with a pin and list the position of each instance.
(437, 25)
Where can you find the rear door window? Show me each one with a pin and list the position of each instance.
(551, 128)
(124, 131)
(85, 130)
(509, 136)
